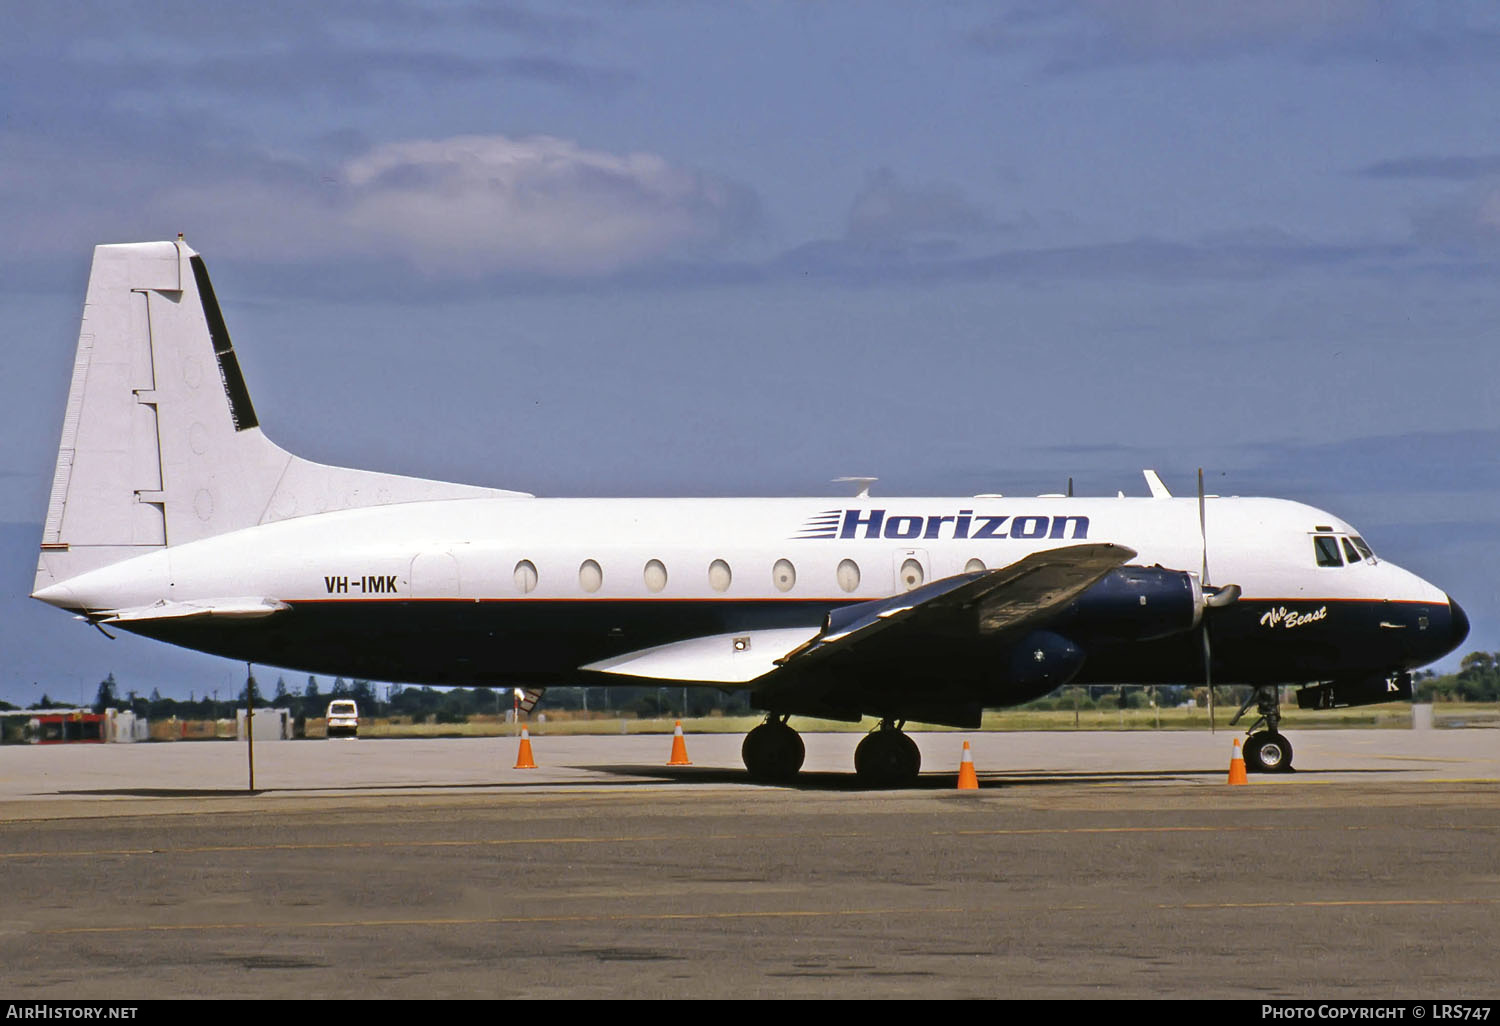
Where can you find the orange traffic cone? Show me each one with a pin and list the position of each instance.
(523, 758)
(679, 748)
(1237, 765)
(967, 779)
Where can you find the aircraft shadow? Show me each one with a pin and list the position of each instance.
(828, 781)
(649, 775)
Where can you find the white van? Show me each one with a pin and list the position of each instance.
(343, 718)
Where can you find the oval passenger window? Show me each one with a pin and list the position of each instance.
(783, 575)
(590, 577)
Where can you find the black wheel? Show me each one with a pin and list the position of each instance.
(887, 758)
(1268, 753)
(773, 752)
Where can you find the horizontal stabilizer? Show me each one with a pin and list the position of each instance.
(715, 659)
(243, 608)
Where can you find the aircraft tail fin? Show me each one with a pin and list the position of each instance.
(160, 442)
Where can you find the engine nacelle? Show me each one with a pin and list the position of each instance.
(1035, 665)
(1136, 603)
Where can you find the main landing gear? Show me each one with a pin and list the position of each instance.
(773, 752)
(886, 758)
(1265, 751)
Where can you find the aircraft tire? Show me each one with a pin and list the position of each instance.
(773, 753)
(1268, 753)
(887, 759)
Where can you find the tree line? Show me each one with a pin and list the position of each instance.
(1477, 680)
(447, 705)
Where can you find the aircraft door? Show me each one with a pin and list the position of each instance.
(912, 569)
(434, 575)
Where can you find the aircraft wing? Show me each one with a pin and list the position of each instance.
(982, 603)
(965, 606)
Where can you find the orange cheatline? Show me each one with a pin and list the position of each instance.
(1237, 765)
(523, 758)
(967, 779)
(679, 748)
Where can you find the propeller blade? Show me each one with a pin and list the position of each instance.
(1208, 677)
(1212, 599)
(1203, 526)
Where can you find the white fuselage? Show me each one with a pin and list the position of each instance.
(472, 548)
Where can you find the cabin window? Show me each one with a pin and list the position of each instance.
(1349, 553)
(719, 575)
(975, 566)
(525, 576)
(783, 575)
(848, 575)
(590, 577)
(655, 575)
(1326, 546)
(911, 574)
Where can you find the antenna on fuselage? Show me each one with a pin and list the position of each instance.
(863, 483)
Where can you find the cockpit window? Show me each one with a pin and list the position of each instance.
(1327, 548)
(1364, 550)
(1354, 557)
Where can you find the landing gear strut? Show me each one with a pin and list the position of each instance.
(887, 757)
(773, 752)
(1266, 751)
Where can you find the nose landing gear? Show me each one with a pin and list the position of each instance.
(1265, 751)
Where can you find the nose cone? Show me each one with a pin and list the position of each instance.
(59, 595)
(1459, 623)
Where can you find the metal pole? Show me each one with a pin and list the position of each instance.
(250, 721)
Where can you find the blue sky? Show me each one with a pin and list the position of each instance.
(661, 248)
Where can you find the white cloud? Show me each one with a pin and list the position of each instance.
(466, 206)
(494, 203)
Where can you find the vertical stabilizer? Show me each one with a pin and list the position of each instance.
(160, 443)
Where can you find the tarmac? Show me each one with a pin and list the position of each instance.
(1087, 865)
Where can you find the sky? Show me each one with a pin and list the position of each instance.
(668, 248)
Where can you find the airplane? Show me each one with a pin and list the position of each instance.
(174, 517)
